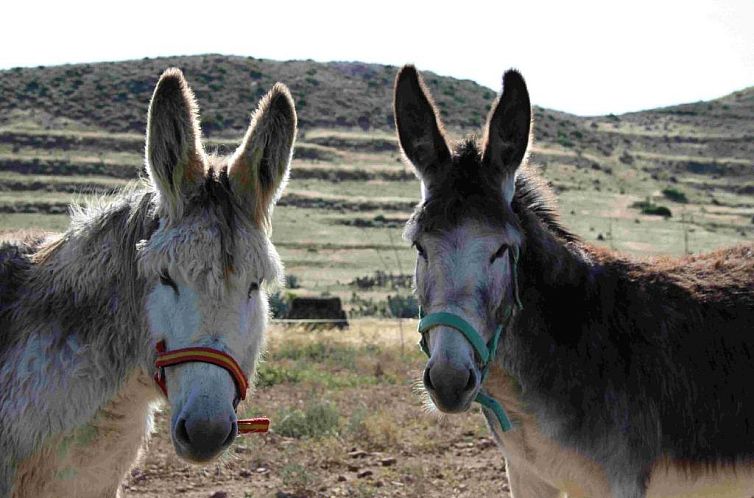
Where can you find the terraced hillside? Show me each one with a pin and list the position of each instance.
(70, 134)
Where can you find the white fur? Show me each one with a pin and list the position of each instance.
(76, 395)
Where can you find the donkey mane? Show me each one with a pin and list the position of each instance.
(471, 191)
(44, 271)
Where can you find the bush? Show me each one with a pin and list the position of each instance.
(399, 306)
(403, 306)
(292, 282)
(297, 478)
(675, 195)
(279, 304)
(563, 139)
(378, 430)
(657, 211)
(317, 419)
(269, 375)
(648, 207)
(381, 278)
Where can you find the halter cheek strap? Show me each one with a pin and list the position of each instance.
(486, 351)
(215, 357)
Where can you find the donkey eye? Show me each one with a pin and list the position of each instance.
(255, 286)
(500, 252)
(420, 250)
(167, 281)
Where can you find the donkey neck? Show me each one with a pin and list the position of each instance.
(556, 276)
(548, 259)
(88, 284)
(76, 331)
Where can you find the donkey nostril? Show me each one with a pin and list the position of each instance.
(181, 433)
(428, 380)
(232, 434)
(471, 384)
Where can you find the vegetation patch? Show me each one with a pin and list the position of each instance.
(316, 420)
(648, 207)
(675, 195)
(397, 306)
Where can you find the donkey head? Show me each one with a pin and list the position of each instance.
(207, 261)
(464, 230)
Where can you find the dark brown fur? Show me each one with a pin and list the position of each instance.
(626, 361)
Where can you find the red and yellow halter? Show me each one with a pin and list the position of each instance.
(215, 357)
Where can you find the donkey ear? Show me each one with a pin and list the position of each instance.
(174, 153)
(507, 135)
(259, 167)
(419, 129)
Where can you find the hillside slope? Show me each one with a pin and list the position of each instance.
(113, 96)
(79, 129)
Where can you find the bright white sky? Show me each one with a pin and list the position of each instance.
(584, 57)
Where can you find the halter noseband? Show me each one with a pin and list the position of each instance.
(215, 357)
(486, 351)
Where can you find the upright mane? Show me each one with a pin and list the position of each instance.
(468, 190)
(47, 275)
(534, 194)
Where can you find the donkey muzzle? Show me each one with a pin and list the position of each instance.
(451, 377)
(201, 435)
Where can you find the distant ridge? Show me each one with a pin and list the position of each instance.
(113, 96)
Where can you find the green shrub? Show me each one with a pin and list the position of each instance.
(675, 195)
(279, 304)
(563, 139)
(648, 207)
(296, 478)
(399, 306)
(317, 419)
(403, 306)
(269, 375)
(292, 282)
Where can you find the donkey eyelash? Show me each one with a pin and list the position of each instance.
(420, 250)
(255, 286)
(167, 281)
(499, 253)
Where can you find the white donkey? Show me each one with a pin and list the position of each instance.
(170, 269)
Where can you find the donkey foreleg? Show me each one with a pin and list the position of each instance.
(526, 484)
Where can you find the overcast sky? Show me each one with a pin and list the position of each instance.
(590, 57)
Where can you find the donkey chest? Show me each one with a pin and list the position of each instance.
(580, 476)
(528, 446)
(671, 479)
(92, 459)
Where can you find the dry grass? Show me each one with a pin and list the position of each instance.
(377, 429)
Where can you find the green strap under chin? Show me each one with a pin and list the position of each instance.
(497, 409)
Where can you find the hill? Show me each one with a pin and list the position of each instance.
(113, 96)
(78, 129)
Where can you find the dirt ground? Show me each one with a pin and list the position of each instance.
(384, 442)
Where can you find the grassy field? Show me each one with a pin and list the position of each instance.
(345, 206)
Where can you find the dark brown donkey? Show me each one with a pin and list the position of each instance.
(621, 378)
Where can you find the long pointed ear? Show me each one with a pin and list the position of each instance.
(419, 128)
(174, 153)
(506, 137)
(259, 167)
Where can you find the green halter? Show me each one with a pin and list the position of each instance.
(485, 351)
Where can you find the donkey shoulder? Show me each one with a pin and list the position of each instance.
(17, 250)
(708, 283)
